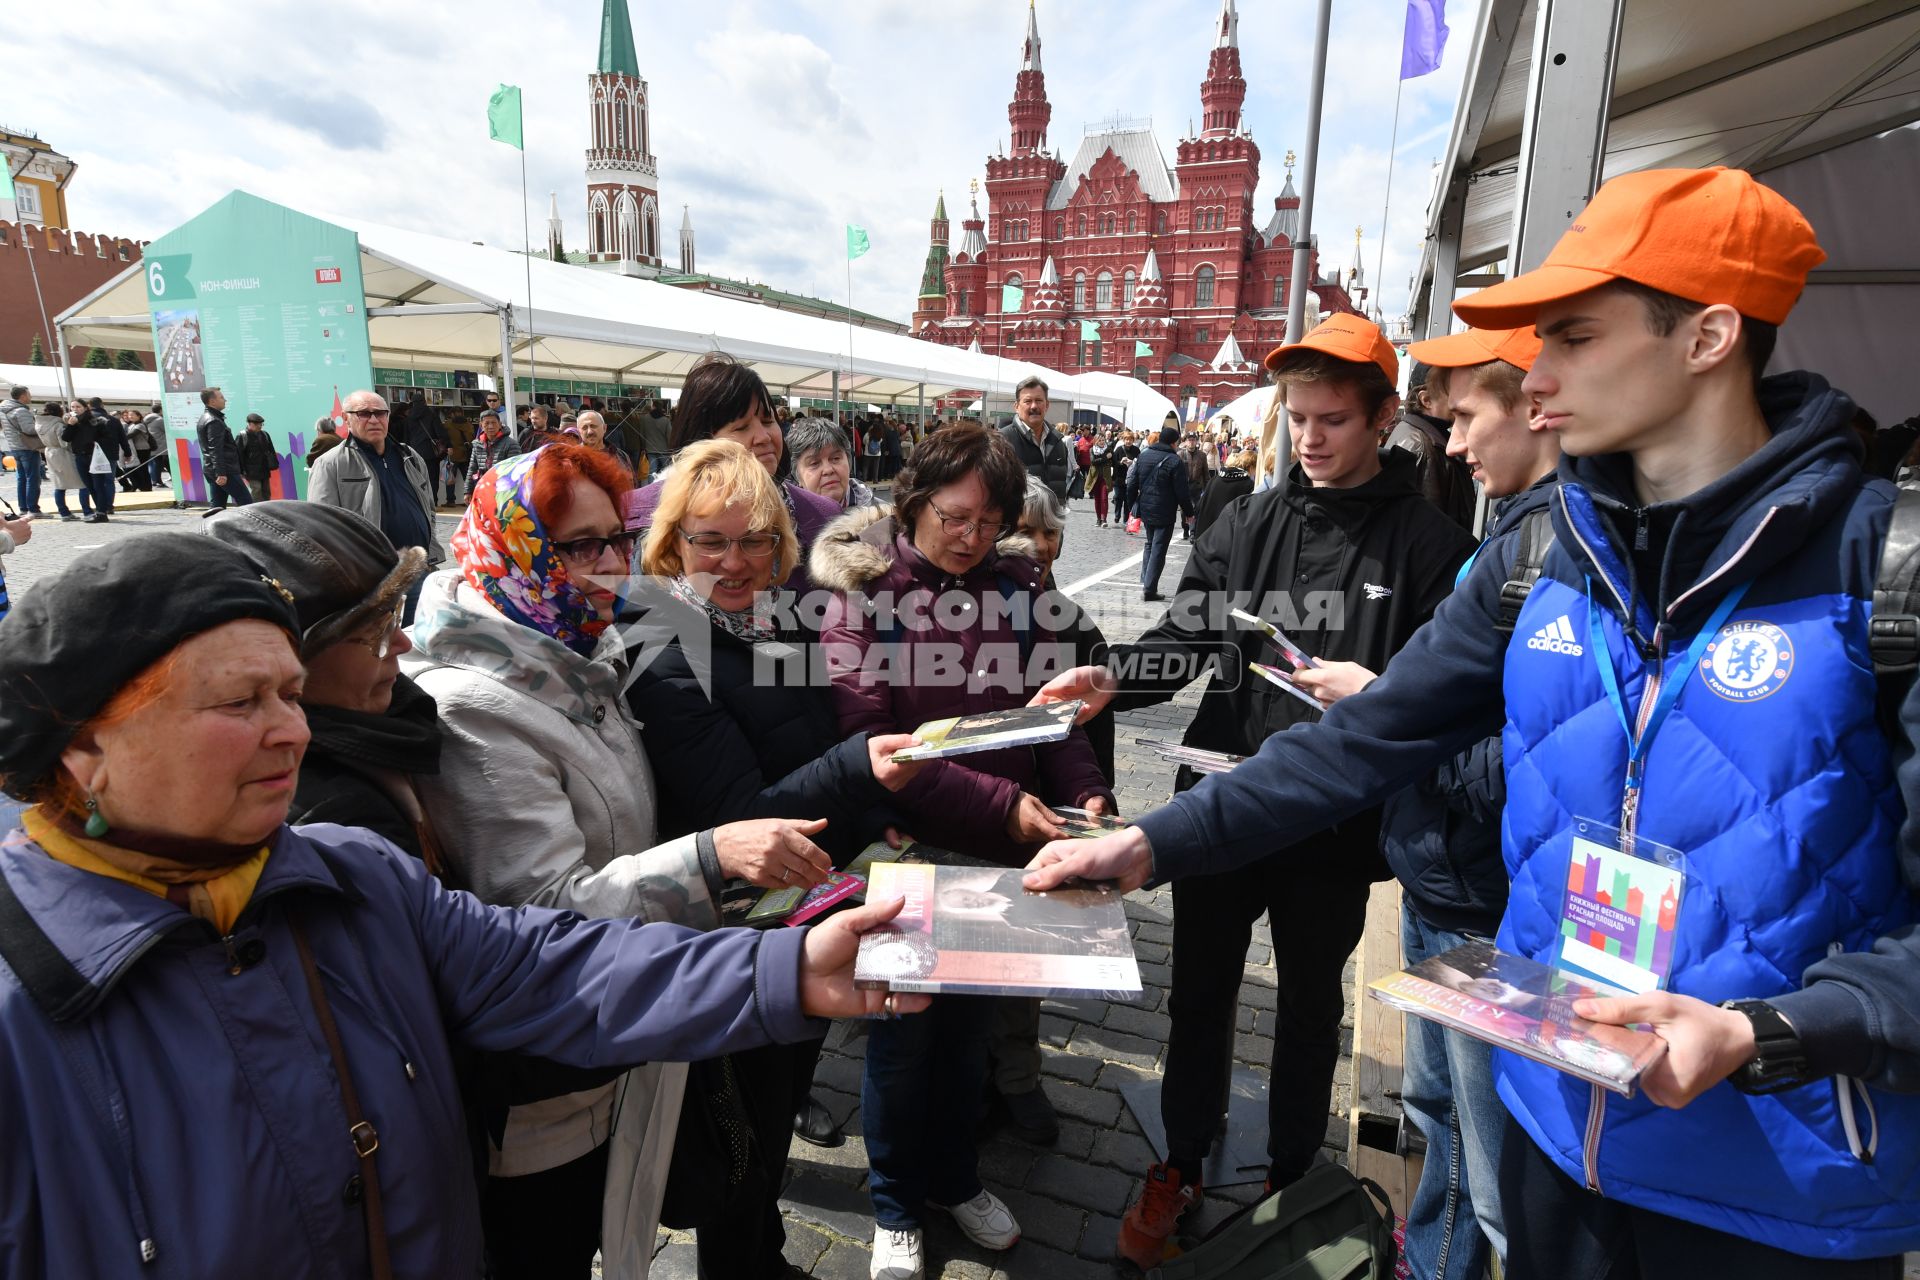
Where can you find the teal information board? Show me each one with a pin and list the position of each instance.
(266, 304)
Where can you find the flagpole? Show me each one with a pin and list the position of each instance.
(836, 408)
(526, 248)
(1380, 262)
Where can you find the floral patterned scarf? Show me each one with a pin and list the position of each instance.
(505, 554)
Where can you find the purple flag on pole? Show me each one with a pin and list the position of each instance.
(1426, 38)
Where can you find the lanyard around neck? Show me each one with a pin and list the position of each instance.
(1669, 692)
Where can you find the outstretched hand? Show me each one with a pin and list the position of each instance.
(1331, 681)
(1094, 686)
(826, 967)
(1124, 857)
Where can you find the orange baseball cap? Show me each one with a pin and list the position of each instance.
(1517, 347)
(1706, 235)
(1345, 337)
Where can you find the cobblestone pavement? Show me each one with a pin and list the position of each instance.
(1068, 1198)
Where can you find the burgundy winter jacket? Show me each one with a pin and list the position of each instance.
(897, 660)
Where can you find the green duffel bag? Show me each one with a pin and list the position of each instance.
(1329, 1225)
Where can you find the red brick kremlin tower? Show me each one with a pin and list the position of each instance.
(623, 179)
(1166, 257)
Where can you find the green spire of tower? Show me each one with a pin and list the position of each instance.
(616, 40)
(940, 208)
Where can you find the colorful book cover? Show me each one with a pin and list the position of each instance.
(1084, 825)
(978, 931)
(776, 905)
(878, 851)
(1522, 1005)
(837, 887)
(991, 730)
(1198, 759)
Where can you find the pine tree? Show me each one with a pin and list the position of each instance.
(35, 354)
(129, 360)
(97, 359)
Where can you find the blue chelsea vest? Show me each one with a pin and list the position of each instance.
(1771, 775)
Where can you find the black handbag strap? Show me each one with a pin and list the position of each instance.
(360, 1130)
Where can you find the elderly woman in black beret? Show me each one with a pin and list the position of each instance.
(373, 730)
(225, 1045)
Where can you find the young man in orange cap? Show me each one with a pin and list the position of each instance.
(1706, 705)
(1442, 838)
(1349, 560)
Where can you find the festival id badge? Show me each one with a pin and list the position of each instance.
(1620, 913)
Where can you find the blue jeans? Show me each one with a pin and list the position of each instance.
(658, 462)
(100, 485)
(923, 1081)
(1447, 1089)
(29, 469)
(1159, 536)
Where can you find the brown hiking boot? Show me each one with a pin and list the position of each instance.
(1152, 1218)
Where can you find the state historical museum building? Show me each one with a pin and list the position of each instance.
(1165, 257)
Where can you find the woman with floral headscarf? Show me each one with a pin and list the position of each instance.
(545, 796)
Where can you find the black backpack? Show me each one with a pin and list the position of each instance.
(1329, 1225)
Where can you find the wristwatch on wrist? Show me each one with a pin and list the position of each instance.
(1779, 1061)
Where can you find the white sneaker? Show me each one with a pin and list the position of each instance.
(985, 1220)
(896, 1255)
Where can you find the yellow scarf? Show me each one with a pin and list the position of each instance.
(215, 894)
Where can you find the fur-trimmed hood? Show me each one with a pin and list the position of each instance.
(866, 547)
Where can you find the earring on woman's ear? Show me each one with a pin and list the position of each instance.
(96, 821)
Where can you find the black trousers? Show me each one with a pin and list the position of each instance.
(1557, 1230)
(774, 1082)
(546, 1224)
(1315, 899)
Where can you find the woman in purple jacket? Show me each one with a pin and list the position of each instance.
(929, 619)
(226, 1045)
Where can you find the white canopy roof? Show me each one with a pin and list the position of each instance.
(435, 303)
(1248, 411)
(1799, 92)
(46, 382)
(1145, 407)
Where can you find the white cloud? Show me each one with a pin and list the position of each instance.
(776, 122)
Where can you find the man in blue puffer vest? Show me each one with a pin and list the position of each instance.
(1704, 682)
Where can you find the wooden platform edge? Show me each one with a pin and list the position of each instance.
(1379, 1037)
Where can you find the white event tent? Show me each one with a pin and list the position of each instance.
(1811, 96)
(435, 303)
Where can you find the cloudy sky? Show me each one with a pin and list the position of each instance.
(777, 121)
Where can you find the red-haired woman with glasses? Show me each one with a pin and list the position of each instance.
(545, 796)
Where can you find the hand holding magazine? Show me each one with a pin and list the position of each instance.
(991, 730)
(1523, 1006)
(979, 931)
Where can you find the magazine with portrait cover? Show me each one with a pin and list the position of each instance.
(990, 731)
(978, 931)
(1522, 1005)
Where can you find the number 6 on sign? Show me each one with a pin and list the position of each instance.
(156, 280)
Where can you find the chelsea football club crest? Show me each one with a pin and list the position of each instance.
(1747, 661)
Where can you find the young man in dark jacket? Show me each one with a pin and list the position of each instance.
(1441, 837)
(1715, 555)
(219, 455)
(1349, 560)
(1156, 490)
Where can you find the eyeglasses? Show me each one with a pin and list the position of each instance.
(493, 399)
(713, 546)
(589, 550)
(958, 528)
(364, 414)
(382, 644)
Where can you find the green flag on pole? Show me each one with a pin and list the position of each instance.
(1089, 331)
(1011, 296)
(857, 242)
(1141, 349)
(503, 116)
